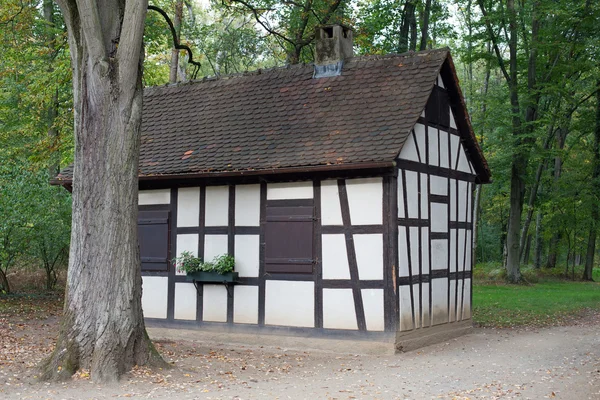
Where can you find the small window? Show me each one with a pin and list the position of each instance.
(438, 107)
(153, 234)
(289, 237)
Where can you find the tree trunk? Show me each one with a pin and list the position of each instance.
(4, 286)
(537, 261)
(408, 16)
(591, 248)
(175, 52)
(425, 27)
(103, 327)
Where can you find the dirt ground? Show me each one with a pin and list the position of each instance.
(558, 362)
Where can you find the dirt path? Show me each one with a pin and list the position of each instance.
(559, 362)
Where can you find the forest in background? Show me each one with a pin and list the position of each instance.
(529, 72)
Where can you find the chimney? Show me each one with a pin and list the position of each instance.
(333, 46)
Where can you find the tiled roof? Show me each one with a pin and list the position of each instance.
(282, 117)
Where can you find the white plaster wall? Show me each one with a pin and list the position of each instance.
(369, 255)
(185, 301)
(338, 309)
(373, 305)
(405, 316)
(420, 135)
(439, 217)
(453, 234)
(461, 249)
(149, 197)
(440, 82)
(416, 305)
(246, 254)
(470, 200)
(335, 257)
(444, 162)
(414, 249)
(439, 299)
(454, 144)
(439, 254)
(188, 207)
(463, 200)
(463, 162)
(186, 242)
(469, 253)
(409, 150)
(425, 250)
(424, 197)
(401, 213)
(331, 212)
(466, 314)
(451, 311)
(453, 199)
(402, 252)
(154, 296)
(217, 206)
(412, 194)
(291, 190)
(365, 198)
(458, 299)
(247, 205)
(425, 310)
(452, 120)
(245, 304)
(433, 146)
(289, 303)
(214, 245)
(214, 303)
(439, 185)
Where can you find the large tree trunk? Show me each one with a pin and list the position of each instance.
(103, 327)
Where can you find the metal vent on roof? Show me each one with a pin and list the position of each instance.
(325, 71)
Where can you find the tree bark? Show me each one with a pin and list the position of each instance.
(4, 286)
(103, 327)
(175, 53)
(425, 27)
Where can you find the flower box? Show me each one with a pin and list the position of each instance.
(215, 277)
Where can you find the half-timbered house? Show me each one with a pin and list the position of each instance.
(343, 190)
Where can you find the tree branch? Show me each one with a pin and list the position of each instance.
(92, 30)
(494, 41)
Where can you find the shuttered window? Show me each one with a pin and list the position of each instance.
(289, 237)
(153, 233)
(438, 107)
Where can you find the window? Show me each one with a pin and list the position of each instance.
(289, 236)
(438, 107)
(153, 236)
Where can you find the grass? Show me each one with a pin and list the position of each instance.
(550, 301)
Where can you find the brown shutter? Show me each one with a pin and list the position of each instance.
(438, 107)
(153, 231)
(289, 239)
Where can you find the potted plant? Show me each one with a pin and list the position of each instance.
(220, 269)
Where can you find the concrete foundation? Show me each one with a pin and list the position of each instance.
(412, 340)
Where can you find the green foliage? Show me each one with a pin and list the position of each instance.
(189, 263)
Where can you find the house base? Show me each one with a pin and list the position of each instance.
(415, 339)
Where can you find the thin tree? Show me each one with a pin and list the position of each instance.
(103, 327)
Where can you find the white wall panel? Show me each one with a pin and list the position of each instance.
(331, 212)
(247, 255)
(459, 313)
(439, 298)
(338, 309)
(454, 145)
(412, 194)
(149, 197)
(402, 252)
(409, 149)
(214, 303)
(414, 249)
(186, 242)
(291, 190)
(214, 245)
(185, 301)
(469, 253)
(401, 211)
(335, 257)
(365, 198)
(466, 314)
(425, 250)
(373, 305)
(452, 120)
(245, 304)
(290, 303)
(154, 296)
(463, 200)
(440, 82)
(453, 234)
(424, 197)
(444, 161)
(247, 205)
(420, 136)
(439, 254)
(425, 310)
(433, 146)
(188, 206)
(439, 185)
(417, 306)
(463, 162)
(439, 217)
(453, 199)
(217, 206)
(369, 256)
(406, 322)
(461, 249)
(452, 310)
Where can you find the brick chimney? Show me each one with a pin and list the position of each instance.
(332, 47)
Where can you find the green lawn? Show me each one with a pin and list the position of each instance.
(548, 302)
